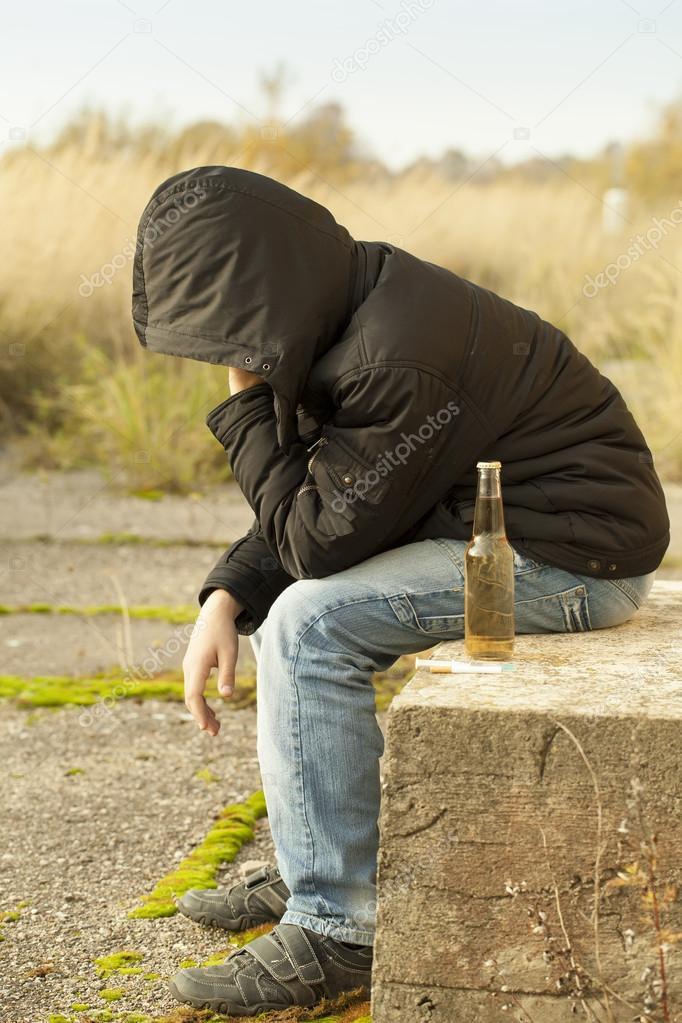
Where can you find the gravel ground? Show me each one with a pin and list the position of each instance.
(81, 848)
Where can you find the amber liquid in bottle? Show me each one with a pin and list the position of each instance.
(489, 575)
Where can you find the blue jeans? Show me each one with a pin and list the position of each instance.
(319, 743)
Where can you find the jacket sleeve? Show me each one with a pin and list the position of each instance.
(249, 571)
(354, 493)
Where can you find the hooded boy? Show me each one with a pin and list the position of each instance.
(365, 384)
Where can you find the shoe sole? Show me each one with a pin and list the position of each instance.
(223, 1008)
(235, 925)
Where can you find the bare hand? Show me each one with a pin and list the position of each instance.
(214, 644)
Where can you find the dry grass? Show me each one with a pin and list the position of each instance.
(72, 212)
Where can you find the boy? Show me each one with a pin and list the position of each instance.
(364, 386)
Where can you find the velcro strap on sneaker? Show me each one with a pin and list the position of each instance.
(257, 877)
(272, 957)
(293, 959)
(301, 953)
(270, 898)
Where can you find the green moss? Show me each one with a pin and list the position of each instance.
(112, 994)
(10, 916)
(73, 771)
(84, 691)
(65, 690)
(230, 832)
(57, 1017)
(80, 1007)
(187, 963)
(123, 539)
(130, 971)
(120, 540)
(149, 494)
(207, 775)
(117, 961)
(152, 976)
(175, 615)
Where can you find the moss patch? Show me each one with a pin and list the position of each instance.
(175, 615)
(84, 691)
(230, 832)
(120, 540)
(112, 994)
(117, 962)
(10, 916)
(207, 775)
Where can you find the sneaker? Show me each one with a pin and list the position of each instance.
(291, 966)
(260, 898)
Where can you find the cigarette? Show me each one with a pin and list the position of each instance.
(465, 667)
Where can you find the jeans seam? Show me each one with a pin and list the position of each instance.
(310, 874)
(618, 584)
(305, 919)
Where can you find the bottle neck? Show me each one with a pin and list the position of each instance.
(489, 514)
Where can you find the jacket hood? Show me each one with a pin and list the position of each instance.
(236, 269)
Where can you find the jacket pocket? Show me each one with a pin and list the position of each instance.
(336, 468)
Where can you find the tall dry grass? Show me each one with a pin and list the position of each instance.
(69, 212)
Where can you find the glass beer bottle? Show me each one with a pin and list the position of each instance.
(489, 574)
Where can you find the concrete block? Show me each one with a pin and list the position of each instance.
(516, 805)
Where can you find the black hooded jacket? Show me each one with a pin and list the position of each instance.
(385, 379)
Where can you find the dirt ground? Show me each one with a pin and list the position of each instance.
(93, 815)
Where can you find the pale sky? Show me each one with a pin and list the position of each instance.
(415, 76)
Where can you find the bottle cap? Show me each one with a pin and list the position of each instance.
(488, 465)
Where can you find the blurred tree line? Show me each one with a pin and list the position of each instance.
(322, 142)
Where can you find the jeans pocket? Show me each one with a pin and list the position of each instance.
(435, 613)
(523, 564)
(565, 611)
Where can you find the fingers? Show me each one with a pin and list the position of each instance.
(196, 674)
(226, 667)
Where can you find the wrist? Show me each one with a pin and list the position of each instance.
(221, 599)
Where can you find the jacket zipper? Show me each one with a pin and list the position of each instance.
(313, 450)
